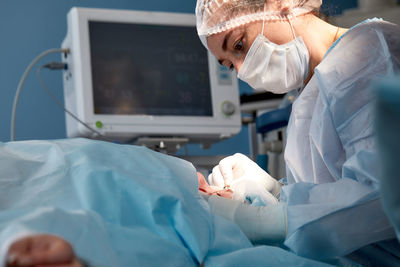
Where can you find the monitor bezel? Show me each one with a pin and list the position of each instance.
(175, 125)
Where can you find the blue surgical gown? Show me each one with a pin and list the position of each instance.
(334, 205)
(119, 205)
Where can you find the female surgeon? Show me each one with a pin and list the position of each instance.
(329, 204)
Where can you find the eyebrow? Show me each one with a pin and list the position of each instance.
(225, 44)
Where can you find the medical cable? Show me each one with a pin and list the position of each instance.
(22, 81)
(59, 66)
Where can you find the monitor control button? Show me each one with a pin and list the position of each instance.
(227, 108)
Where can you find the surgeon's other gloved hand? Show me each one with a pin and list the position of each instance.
(262, 225)
(241, 174)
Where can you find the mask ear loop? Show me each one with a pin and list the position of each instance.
(291, 26)
(265, 8)
(295, 38)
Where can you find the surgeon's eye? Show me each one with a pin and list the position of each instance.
(239, 45)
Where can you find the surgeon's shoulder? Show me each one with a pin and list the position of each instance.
(347, 72)
(363, 42)
(387, 32)
(364, 52)
(375, 23)
(380, 25)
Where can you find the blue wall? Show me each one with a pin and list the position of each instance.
(29, 27)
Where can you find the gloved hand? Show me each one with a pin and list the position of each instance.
(243, 176)
(262, 225)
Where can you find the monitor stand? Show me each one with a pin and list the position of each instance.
(169, 145)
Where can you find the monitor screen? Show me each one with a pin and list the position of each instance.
(141, 69)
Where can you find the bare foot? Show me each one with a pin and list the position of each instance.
(42, 250)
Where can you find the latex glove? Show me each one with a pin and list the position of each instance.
(237, 170)
(252, 192)
(262, 225)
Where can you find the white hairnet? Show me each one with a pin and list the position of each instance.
(214, 16)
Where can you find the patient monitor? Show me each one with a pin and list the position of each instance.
(135, 74)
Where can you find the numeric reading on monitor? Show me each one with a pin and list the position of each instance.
(133, 74)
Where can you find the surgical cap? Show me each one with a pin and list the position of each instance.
(215, 16)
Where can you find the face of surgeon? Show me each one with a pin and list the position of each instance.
(230, 47)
